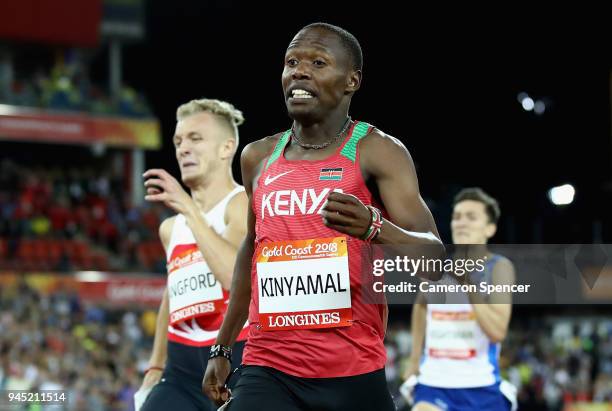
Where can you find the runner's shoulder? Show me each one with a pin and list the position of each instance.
(381, 153)
(254, 153)
(378, 140)
(237, 206)
(503, 263)
(503, 271)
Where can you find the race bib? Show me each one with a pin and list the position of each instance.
(304, 284)
(452, 335)
(193, 290)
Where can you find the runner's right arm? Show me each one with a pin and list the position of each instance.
(418, 325)
(160, 342)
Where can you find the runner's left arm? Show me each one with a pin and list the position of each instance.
(388, 162)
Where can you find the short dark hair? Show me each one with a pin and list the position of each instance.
(478, 194)
(349, 42)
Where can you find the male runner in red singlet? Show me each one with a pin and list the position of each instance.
(201, 243)
(313, 343)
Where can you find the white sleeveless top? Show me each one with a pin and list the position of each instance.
(197, 302)
(458, 354)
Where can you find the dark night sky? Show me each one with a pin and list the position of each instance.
(447, 87)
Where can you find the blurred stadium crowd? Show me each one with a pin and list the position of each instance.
(64, 219)
(64, 83)
(55, 342)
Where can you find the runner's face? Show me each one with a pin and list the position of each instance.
(317, 64)
(470, 223)
(197, 144)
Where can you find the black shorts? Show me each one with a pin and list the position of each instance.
(267, 389)
(180, 387)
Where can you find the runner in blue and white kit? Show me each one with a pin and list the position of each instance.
(457, 369)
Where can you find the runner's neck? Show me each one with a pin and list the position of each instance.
(208, 196)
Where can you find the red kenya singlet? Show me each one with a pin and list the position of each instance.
(306, 314)
(197, 302)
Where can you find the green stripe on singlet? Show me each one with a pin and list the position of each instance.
(278, 149)
(350, 148)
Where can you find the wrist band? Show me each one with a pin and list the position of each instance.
(220, 350)
(153, 368)
(376, 222)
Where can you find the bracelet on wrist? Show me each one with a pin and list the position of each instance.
(153, 368)
(220, 350)
(376, 222)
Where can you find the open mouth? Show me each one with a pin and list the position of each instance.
(300, 94)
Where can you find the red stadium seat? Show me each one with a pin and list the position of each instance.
(142, 255)
(55, 250)
(3, 248)
(83, 262)
(81, 247)
(26, 252)
(68, 248)
(39, 249)
(100, 262)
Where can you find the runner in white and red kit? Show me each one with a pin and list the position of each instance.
(313, 343)
(201, 243)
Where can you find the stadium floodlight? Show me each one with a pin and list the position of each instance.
(528, 104)
(562, 195)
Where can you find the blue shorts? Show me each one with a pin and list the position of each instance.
(463, 399)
